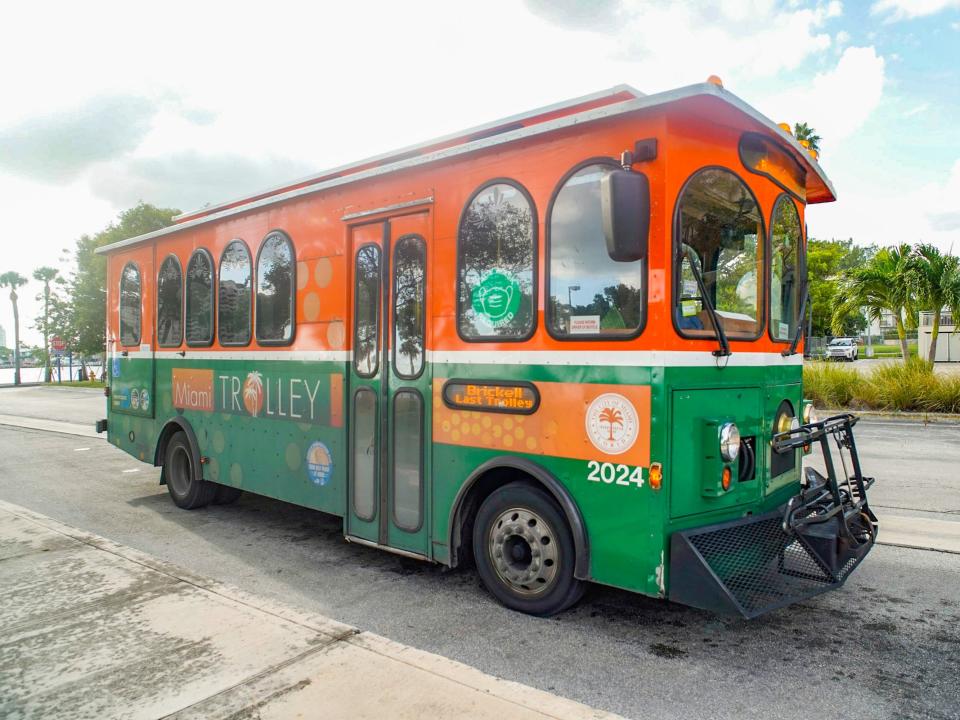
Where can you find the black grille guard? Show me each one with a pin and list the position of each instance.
(759, 563)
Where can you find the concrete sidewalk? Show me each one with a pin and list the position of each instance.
(92, 629)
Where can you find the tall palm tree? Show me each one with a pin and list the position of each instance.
(936, 281)
(46, 275)
(802, 131)
(885, 282)
(13, 280)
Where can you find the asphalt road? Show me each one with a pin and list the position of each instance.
(885, 646)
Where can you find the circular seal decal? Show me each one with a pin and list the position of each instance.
(135, 399)
(497, 297)
(144, 400)
(319, 463)
(612, 423)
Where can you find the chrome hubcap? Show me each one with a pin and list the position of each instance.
(524, 551)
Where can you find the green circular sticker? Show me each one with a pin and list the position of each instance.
(497, 297)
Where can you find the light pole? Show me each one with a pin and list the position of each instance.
(570, 289)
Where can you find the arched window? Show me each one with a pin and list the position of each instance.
(130, 305)
(409, 305)
(785, 248)
(718, 227)
(200, 298)
(496, 261)
(234, 295)
(275, 288)
(170, 303)
(589, 294)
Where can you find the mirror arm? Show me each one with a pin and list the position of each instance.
(724, 349)
(800, 318)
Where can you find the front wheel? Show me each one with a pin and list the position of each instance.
(185, 483)
(524, 551)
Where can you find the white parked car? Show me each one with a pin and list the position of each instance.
(842, 349)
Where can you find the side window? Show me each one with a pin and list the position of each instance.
(719, 226)
(409, 298)
(785, 246)
(170, 303)
(495, 265)
(590, 294)
(275, 288)
(200, 298)
(130, 305)
(366, 331)
(233, 295)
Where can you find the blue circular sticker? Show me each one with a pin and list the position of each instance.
(319, 463)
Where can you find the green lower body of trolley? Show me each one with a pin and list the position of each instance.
(517, 492)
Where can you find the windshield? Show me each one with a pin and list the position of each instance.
(720, 227)
(841, 342)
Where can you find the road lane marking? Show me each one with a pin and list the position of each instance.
(132, 470)
(80, 449)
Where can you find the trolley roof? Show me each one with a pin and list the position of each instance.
(614, 101)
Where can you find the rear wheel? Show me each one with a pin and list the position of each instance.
(185, 484)
(524, 551)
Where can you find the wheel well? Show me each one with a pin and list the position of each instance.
(169, 430)
(495, 474)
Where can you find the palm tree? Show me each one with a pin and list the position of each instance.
(13, 280)
(612, 417)
(46, 275)
(802, 131)
(936, 281)
(885, 282)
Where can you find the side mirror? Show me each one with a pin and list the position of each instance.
(625, 207)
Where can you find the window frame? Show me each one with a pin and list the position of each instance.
(412, 392)
(535, 284)
(183, 302)
(255, 317)
(801, 263)
(379, 306)
(136, 266)
(378, 459)
(771, 178)
(675, 266)
(548, 246)
(415, 237)
(213, 299)
(250, 321)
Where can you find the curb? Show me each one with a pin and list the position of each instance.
(916, 418)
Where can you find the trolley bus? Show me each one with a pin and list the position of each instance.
(565, 346)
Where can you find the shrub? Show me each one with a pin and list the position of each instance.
(829, 384)
(898, 385)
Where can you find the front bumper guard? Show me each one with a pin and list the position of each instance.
(756, 564)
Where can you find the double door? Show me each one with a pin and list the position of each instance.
(389, 498)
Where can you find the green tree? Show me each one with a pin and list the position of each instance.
(884, 283)
(802, 131)
(827, 261)
(88, 284)
(13, 280)
(936, 282)
(46, 275)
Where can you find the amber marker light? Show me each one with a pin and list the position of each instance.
(715, 80)
(805, 143)
(786, 128)
(656, 475)
(725, 478)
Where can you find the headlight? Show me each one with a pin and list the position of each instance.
(810, 415)
(729, 441)
(786, 422)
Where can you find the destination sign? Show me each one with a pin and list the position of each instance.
(488, 396)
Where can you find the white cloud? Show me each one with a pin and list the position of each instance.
(909, 9)
(836, 102)
(834, 9)
(919, 109)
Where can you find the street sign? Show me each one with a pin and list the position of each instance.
(57, 344)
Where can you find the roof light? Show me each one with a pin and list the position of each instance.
(715, 80)
(813, 153)
(805, 143)
(786, 128)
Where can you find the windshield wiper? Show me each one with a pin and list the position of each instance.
(792, 350)
(724, 349)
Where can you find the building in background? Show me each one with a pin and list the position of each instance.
(948, 340)
(3, 337)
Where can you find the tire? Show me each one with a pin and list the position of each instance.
(524, 551)
(225, 494)
(185, 484)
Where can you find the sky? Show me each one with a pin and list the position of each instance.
(181, 104)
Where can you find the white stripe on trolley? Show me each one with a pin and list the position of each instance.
(608, 358)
